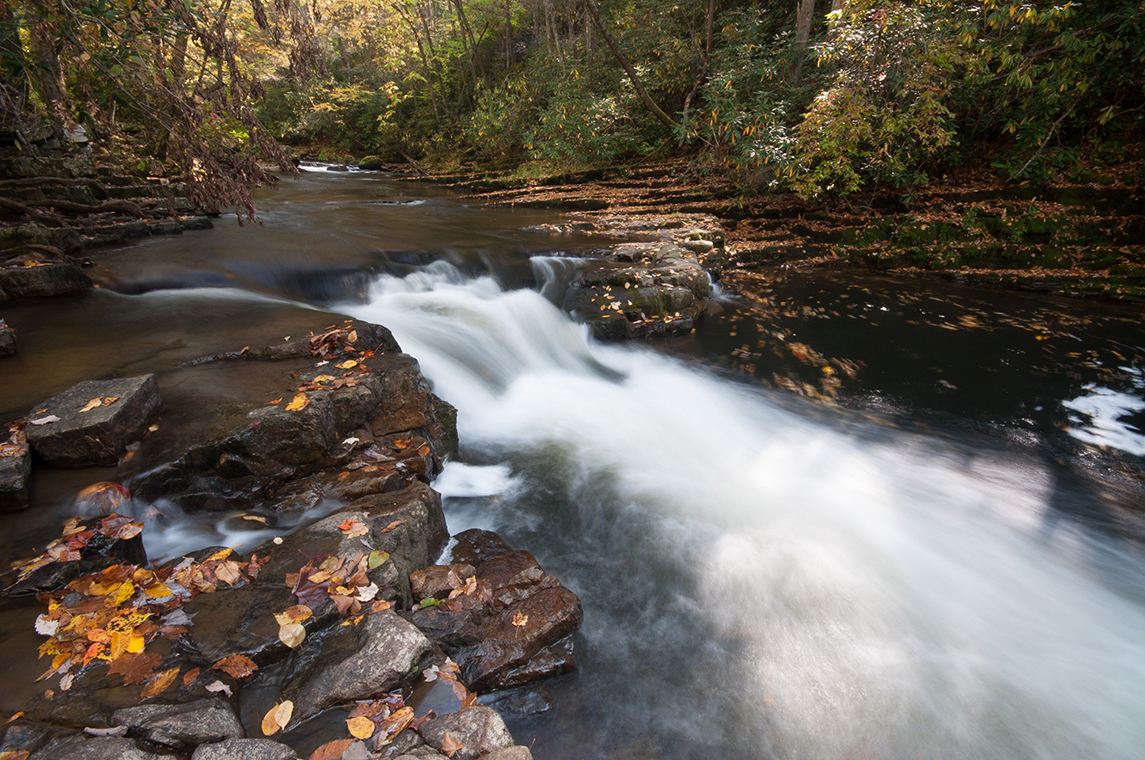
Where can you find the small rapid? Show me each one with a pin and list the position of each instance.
(768, 581)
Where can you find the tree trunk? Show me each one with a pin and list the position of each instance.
(802, 34)
(662, 117)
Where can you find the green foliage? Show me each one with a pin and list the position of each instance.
(883, 116)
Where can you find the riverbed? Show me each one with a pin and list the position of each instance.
(849, 516)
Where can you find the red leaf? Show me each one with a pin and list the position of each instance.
(236, 665)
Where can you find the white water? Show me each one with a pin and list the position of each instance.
(759, 582)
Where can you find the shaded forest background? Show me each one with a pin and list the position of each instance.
(819, 99)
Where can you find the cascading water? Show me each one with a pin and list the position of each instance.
(759, 582)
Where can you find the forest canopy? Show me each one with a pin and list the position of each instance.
(819, 99)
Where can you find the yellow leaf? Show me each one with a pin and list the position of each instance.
(300, 402)
(348, 364)
(160, 683)
(360, 727)
(120, 594)
(135, 644)
(277, 717)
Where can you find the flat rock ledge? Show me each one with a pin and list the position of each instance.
(93, 422)
(369, 433)
(644, 290)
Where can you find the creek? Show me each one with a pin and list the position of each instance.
(850, 516)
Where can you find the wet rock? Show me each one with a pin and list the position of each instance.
(370, 163)
(179, 726)
(474, 546)
(479, 729)
(523, 701)
(166, 228)
(414, 537)
(352, 662)
(100, 435)
(438, 580)
(453, 625)
(7, 339)
(516, 752)
(82, 747)
(241, 621)
(245, 749)
(521, 632)
(515, 576)
(46, 280)
(15, 470)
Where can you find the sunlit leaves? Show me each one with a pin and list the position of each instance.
(277, 718)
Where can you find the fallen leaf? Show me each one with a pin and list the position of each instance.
(228, 572)
(397, 722)
(160, 683)
(15, 716)
(117, 731)
(236, 666)
(217, 686)
(381, 606)
(449, 745)
(300, 402)
(109, 400)
(360, 727)
(295, 614)
(351, 441)
(292, 634)
(95, 402)
(15, 754)
(190, 676)
(520, 619)
(119, 527)
(354, 528)
(45, 420)
(330, 750)
(367, 593)
(135, 667)
(277, 717)
(392, 525)
(348, 364)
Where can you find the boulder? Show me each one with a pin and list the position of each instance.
(370, 163)
(241, 621)
(81, 747)
(181, 726)
(351, 662)
(407, 524)
(44, 280)
(517, 644)
(526, 632)
(99, 552)
(479, 729)
(516, 752)
(7, 339)
(92, 422)
(15, 469)
(245, 749)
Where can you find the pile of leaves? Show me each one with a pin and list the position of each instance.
(110, 616)
(16, 444)
(335, 347)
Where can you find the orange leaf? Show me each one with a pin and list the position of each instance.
(360, 727)
(300, 402)
(348, 364)
(331, 750)
(236, 665)
(392, 525)
(190, 676)
(160, 683)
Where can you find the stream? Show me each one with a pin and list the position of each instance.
(850, 516)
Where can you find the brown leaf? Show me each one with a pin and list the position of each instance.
(119, 527)
(160, 683)
(229, 572)
(291, 634)
(391, 526)
(331, 750)
(360, 727)
(94, 403)
(236, 666)
(190, 676)
(277, 717)
(135, 668)
(449, 745)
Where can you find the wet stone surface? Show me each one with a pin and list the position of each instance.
(93, 422)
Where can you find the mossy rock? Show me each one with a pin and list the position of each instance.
(370, 163)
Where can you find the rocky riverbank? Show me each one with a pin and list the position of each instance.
(199, 656)
(1072, 239)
